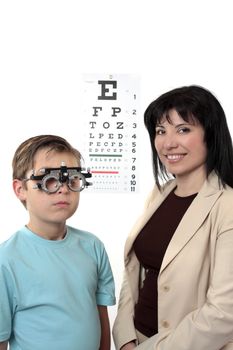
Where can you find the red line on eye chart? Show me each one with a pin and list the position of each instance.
(104, 172)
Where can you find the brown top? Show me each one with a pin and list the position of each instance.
(150, 247)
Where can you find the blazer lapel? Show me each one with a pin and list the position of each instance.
(193, 218)
(151, 206)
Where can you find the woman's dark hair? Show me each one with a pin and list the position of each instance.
(195, 102)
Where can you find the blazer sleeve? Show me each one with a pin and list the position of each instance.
(210, 326)
(123, 327)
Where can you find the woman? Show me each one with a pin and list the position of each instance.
(177, 292)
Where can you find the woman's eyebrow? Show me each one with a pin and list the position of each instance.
(182, 124)
(176, 126)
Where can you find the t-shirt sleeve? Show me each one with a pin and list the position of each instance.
(105, 293)
(6, 304)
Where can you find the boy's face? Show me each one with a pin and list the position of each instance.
(48, 210)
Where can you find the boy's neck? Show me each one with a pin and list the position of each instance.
(52, 234)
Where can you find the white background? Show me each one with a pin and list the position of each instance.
(46, 46)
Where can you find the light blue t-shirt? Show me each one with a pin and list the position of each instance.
(49, 291)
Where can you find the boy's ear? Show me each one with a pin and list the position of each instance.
(19, 189)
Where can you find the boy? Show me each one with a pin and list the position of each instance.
(55, 281)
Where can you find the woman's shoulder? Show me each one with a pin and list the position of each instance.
(223, 205)
(227, 194)
(163, 190)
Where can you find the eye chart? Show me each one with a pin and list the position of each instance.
(110, 110)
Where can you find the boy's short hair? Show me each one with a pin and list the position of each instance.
(23, 159)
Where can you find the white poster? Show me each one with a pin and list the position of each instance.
(110, 110)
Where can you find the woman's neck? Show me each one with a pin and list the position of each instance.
(188, 185)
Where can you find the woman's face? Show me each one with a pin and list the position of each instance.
(180, 146)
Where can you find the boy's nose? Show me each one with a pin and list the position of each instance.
(64, 187)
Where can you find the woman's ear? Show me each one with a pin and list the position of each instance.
(19, 189)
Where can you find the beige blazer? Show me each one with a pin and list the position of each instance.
(195, 283)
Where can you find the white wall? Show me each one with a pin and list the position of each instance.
(47, 45)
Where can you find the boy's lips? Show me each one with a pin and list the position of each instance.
(61, 203)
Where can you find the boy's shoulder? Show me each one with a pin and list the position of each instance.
(87, 240)
(84, 235)
(10, 241)
(9, 246)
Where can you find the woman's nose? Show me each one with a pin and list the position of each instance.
(170, 141)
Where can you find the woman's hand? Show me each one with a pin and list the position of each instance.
(129, 346)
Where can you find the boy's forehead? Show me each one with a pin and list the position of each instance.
(46, 158)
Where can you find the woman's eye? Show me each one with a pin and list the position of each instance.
(183, 130)
(159, 131)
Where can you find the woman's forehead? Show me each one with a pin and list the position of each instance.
(172, 116)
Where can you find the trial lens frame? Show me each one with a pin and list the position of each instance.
(61, 175)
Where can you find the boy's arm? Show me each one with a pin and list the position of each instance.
(105, 341)
(3, 345)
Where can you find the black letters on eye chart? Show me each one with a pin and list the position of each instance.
(110, 108)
